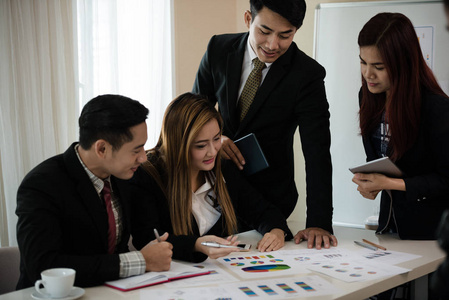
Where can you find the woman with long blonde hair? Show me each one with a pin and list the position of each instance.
(185, 189)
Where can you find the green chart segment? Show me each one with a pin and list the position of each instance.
(266, 268)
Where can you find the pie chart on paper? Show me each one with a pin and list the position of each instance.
(265, 268)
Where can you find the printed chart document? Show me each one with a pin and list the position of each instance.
(177, 271)
(285, 288)
(356, 270)
(260, 265)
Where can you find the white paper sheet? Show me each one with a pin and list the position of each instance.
(387, 257)
(292, 287)
(260, 265)
(356, 270)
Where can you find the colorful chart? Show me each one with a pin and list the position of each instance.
(237, 264)
(341, 270)
(249, 292)
(331, 256)
(286, 288)
(248, 257)
(276, 260)
(265, 268)
(327, 267)
(377, 254)
(258, 262)
(305, 286)
(355, 275)
(302, 258)
(267, 290)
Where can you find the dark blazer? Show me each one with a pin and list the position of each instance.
(63, 223)
(417, 211)
(291, 96)
(149, 210)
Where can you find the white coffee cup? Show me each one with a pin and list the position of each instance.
(57, 282)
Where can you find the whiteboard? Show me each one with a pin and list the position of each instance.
(337, 26)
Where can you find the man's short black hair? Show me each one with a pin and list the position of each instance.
(446, 4)
(110, 117)
(292, 10)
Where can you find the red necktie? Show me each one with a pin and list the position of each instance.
(106, 192)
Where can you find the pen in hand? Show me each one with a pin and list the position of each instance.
(157, 235)
(217, 245)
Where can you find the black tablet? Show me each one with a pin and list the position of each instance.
(255, 160)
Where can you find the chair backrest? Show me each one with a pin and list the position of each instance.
(9, 269)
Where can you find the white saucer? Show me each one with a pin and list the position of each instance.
(75, 293)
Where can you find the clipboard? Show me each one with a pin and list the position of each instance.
(253, 154)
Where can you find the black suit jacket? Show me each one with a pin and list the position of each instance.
(63, 223)
(149, 210)
(291, 96)
(417, 211)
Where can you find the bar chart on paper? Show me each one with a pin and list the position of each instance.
(282, 288)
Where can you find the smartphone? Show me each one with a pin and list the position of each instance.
(244, 247)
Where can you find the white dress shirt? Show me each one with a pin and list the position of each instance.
(247, 67)
(206, 215)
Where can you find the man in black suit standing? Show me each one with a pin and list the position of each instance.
(289, 94)
(72, 208)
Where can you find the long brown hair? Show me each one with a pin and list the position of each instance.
(395, 38)
(184, 118)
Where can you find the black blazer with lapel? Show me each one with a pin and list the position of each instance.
(149, 210)
(63, 223)
(291, 96)
(417, 211)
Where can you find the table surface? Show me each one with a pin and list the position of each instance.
(431, 257)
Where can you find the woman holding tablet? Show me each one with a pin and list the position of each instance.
(185, 189)
(404, 114)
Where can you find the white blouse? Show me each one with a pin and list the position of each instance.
(206, 215)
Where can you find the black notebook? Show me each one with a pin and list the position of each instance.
(253, 154)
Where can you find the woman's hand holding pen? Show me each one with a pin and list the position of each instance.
(213, 252)
(271, 241)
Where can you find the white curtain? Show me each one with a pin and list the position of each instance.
(39, 93)
(125, 48)
(55, 56)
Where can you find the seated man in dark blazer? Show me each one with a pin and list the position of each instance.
(71, 208)
(285, 93)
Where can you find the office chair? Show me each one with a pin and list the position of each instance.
(9, 269)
